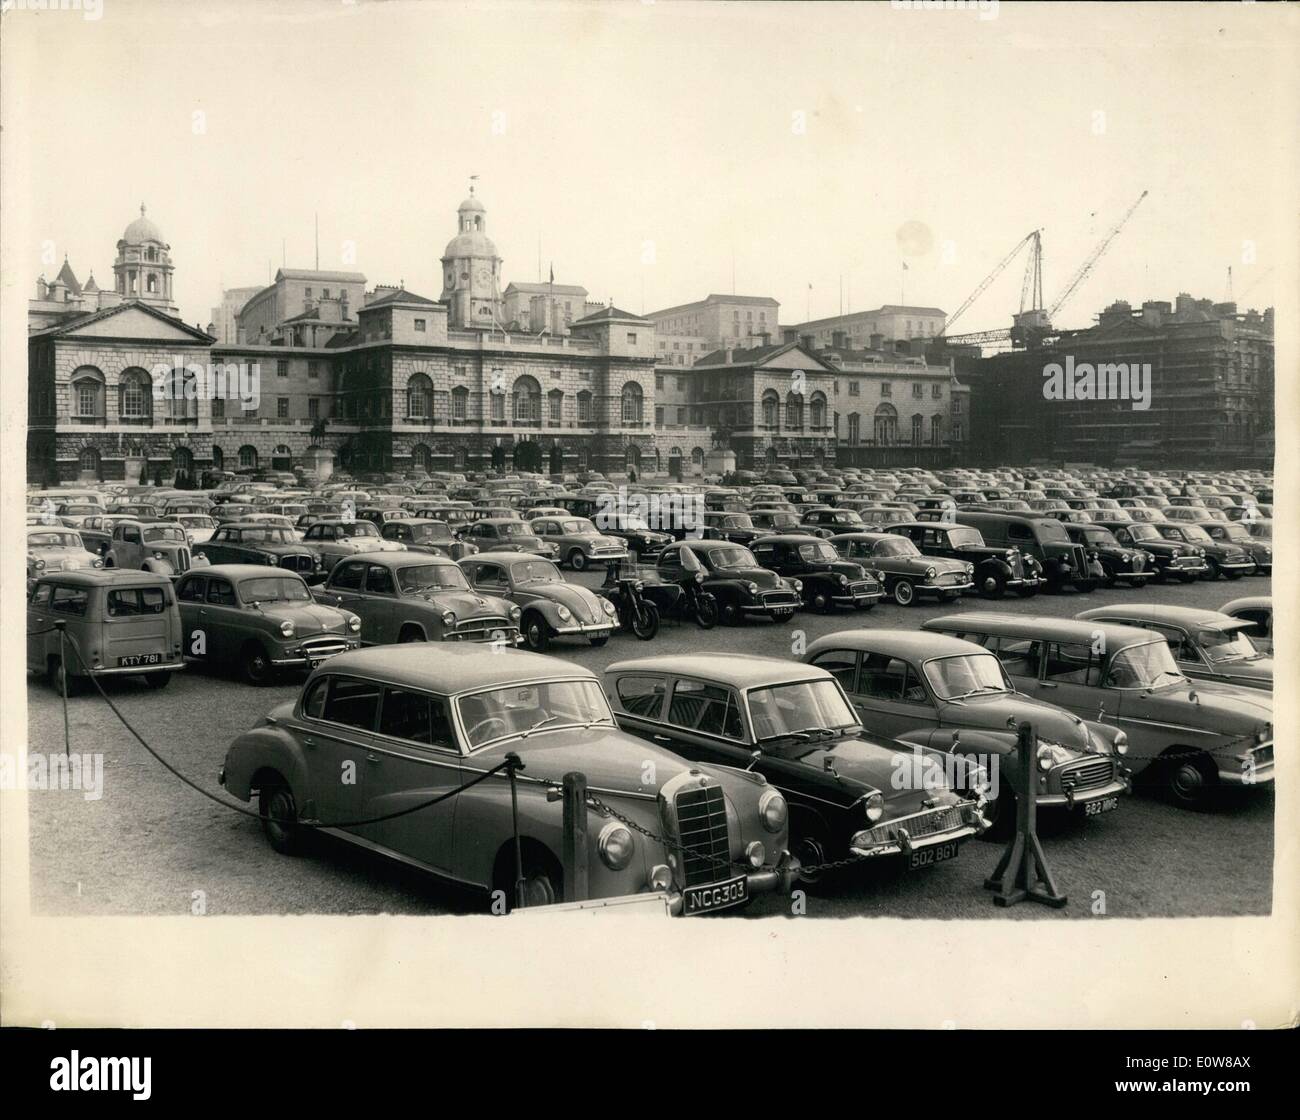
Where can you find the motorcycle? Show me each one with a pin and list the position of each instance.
(625, 590)
(685, 598)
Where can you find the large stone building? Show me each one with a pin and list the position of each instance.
(720, 321)
(882, 327)
(224, 326)
(380, 380)
(1210, 391)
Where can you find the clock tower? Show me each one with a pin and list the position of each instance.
(471, 271)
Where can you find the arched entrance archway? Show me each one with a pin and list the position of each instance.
(281, 458)
(498, 457)
(557, 459)
(182, 467)
(675, 463)
(527, 456)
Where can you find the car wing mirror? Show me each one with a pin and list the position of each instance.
(828, 764)
(754, 756)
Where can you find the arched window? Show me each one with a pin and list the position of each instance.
(794, 411)
(87, 394)
(855, 429)
(527, 401)
(218, 458)
(135, 395)
(817, 411)
(419, 397)
(421, 457)
(697, 456)
(771, 456)
(584, 407)
(459, 405)
(886, 424)
(88, 462)
(182, 463)
(632, 403)
(583, 459)
(632, 457)
(918, 428)
(771, 404)
(248, 457)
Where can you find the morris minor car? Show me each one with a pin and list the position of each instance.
(578, 542)
(53, 548)
(905, 572)
(1170, 560)
(509, 534)
(733, 576)
(253, 542)
(549, 606)
(331, 540)
(1222, 558)
(437, 538)
(1238, 533)
(828, 581)
(424, 724)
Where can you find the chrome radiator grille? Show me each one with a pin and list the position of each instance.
(702, 829)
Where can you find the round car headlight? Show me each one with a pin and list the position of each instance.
(564, 613)
(639, 585)
(97, 563)
(875, 807)
(970, 569)
(354, 623)
(930, 572)
(844, 581)
(286, 628)
(615, 846)
(752, 588)
(756, 854)
(797, 584)
(449, 618)
(515, 614)
(609, 607)
(1124, 556)
(159, 556)
(773, 810)
(39, 565)
(1121, 742)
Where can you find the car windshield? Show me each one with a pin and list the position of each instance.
(1099, 537)
(357, 529)
(577, 525)
(1226, 645)
(420, 578)
(818, 551)
(1146, 666)
(163, 533)
(432, 532)
(804, 710)
(1234, 531)
(276, 589)
(900, 547)
(535, 571)
(513, 529)
(197, 521)
(266, 534)
(1140, 531)
(1051, 530)
(732, 559)
(1195, 533)
(1262, 529)
(519, 710)
(965, 538)
(737, 521)
(967, 674)
(53, 540)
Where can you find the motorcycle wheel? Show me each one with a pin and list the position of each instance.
(706, 611)
(644, 623)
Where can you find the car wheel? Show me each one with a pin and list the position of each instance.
(1213, 573)
(706, 613)
(411, 634)
(1190, 779)
(904, 593)
(542, 880)
(822, 603)
(811, 847)
(279, 814)
(537, 633)
(732, 615)
(993, 585)
(158, 681)
(578, 560)
(255, 664)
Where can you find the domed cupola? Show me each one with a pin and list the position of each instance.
(143, 268)
(471, 270)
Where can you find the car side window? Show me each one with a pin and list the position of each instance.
(493, 577)
(379, 580)
(1070, 663)
(70, 600)
(221, 592)
(313, 704)
(191, 590)
(842, 664)
(1020, 532)
(352, 703)
(415, 717)
(130, 534)
(348, 576)
(41, 595)
(642, 696)
(709, 708)
(1019, 656)
(890, 678)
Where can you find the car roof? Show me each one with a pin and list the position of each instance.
(788, 538)
(701, 545)
(505, 556)
(739, 670)
(1040, 627)
(867, 535)
(452, 666)
(1248, 603)
(905, 643)
(240, 571)
(100, 577)
(1163, 612)
(403, 557)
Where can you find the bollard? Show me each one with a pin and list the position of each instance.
(62, 627)
(515, 764)
(574, 844)
(1022, 872)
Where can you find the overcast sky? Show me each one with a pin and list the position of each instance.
(648, 146)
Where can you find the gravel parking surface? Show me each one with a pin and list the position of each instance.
(149, 843)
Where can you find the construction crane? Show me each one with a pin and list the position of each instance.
(1096, 255)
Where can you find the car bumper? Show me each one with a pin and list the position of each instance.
(1197, 569)
(1242, 774)
(1237, 565)
(136, 670)
(588, 629)
(1074, 800)
(857, 598)
(891, 838)
(302, 658)
(778, 609)
(906, 847)
(765, 880)
(944, 588)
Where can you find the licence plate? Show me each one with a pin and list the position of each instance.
(716, 896)
(140, 659)
(1104, 805)
(927, 857)
(783, 612)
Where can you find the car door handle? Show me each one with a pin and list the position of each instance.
(1047, 684)
(661, 739)
(308, 741)
(372, 758)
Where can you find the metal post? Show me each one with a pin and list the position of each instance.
(513, 763)
(62, 627)
(574, 844)
(1022, 872)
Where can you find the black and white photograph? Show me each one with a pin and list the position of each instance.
(686, 487)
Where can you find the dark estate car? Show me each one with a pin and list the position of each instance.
(792, 724)
(1064, 562)
(828, 581)
(733, 575)
(953, 696)
(727, 526)
(259, 620)
(248, 542)
(1169, 559)
(832, 522)
(419, 722)
(905, 572)
(1132, 565)
(997, 570)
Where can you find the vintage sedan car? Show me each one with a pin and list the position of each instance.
(997, 570)
(1206, 644)
(415, 597)
(252, 542)
(642, 540)
(1134, 566)
(53, 548)
(725, 525)
(333, 539)
(426, 535)
(550, 607)
(733, 575)
(1188, 737)
(828, 581)
(1257, 612)
(118, 622)
(1238, 534)
(783, 520)
(1064, 563)
(953, 696)
(422, 723)
(1222, 558)
(155, 545)
(259, 620)
(198, 527)
(832, 522)
(1170, 560)
(906, 573)
(792, 724)
(578, 542)
(509, 534)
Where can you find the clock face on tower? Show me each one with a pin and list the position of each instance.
(482, 275)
